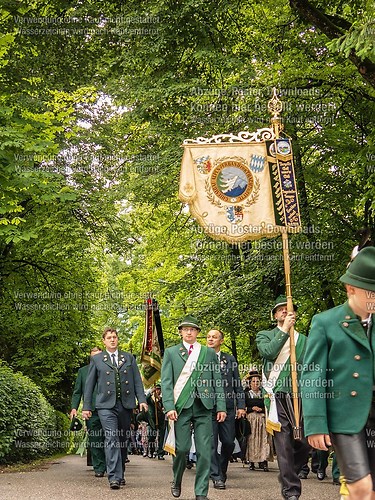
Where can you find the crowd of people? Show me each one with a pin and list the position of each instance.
(203, 408)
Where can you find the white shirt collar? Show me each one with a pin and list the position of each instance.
(186, 345)
(115, 353)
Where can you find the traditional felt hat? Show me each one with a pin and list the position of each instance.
(281, 301)
(253, 374)
(189, 321)
(361, 271)
(75, 425)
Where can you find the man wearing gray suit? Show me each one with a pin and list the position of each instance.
(119, 384)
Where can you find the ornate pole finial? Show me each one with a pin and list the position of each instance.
(275, 106)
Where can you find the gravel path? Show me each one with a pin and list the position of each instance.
(148, 479)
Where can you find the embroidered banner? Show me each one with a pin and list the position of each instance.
(153, 346)
(241, 191)
(284, 190)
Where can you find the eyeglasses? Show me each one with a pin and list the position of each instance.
(185, 329)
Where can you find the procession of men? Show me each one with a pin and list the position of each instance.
(202, 395)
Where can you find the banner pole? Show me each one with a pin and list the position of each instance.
(297, 431)
(156, 409)
(275, 107)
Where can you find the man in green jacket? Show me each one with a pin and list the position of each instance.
(338, 384)
(94, 427)
(191, 386)
(274, 347)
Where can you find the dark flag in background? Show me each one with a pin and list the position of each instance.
(153, 344)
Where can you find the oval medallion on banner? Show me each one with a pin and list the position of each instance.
(231, 180)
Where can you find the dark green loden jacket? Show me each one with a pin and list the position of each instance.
(79, 388)
(337, 384)
(152, 411)
(270, 343)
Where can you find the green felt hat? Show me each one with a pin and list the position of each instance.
(281, 301)
(361, 271)
(189, 321)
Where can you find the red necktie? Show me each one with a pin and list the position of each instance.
(190, 349)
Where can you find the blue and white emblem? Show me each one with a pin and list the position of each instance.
(257, 163)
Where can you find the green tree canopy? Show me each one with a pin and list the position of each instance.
(93, 113)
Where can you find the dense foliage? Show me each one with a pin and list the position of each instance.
(29, 426)
(96, 99)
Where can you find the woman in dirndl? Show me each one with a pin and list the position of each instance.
(258, 448)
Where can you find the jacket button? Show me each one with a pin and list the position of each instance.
(108, 383)
(108, 373)
(357, 357)
(345, 324)
(347, 317)
(353, 393)
(125, 371)
(127, 392)
(126, 381)
(108, 392)
(355, 375)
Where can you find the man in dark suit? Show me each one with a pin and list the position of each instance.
(156, 421)
(274, 347)
(191, 387)
(119, 384)
(94, 427)
(235, 403)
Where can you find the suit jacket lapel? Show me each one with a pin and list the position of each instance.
(352, 327)
(107, 360)
(225, 362)
(122, 357)
(372, 332)
(183, 352)
(222, 361)
(355, 330)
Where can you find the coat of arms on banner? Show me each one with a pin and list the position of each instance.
(234, 214)
(203, 164)
(240, 191)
